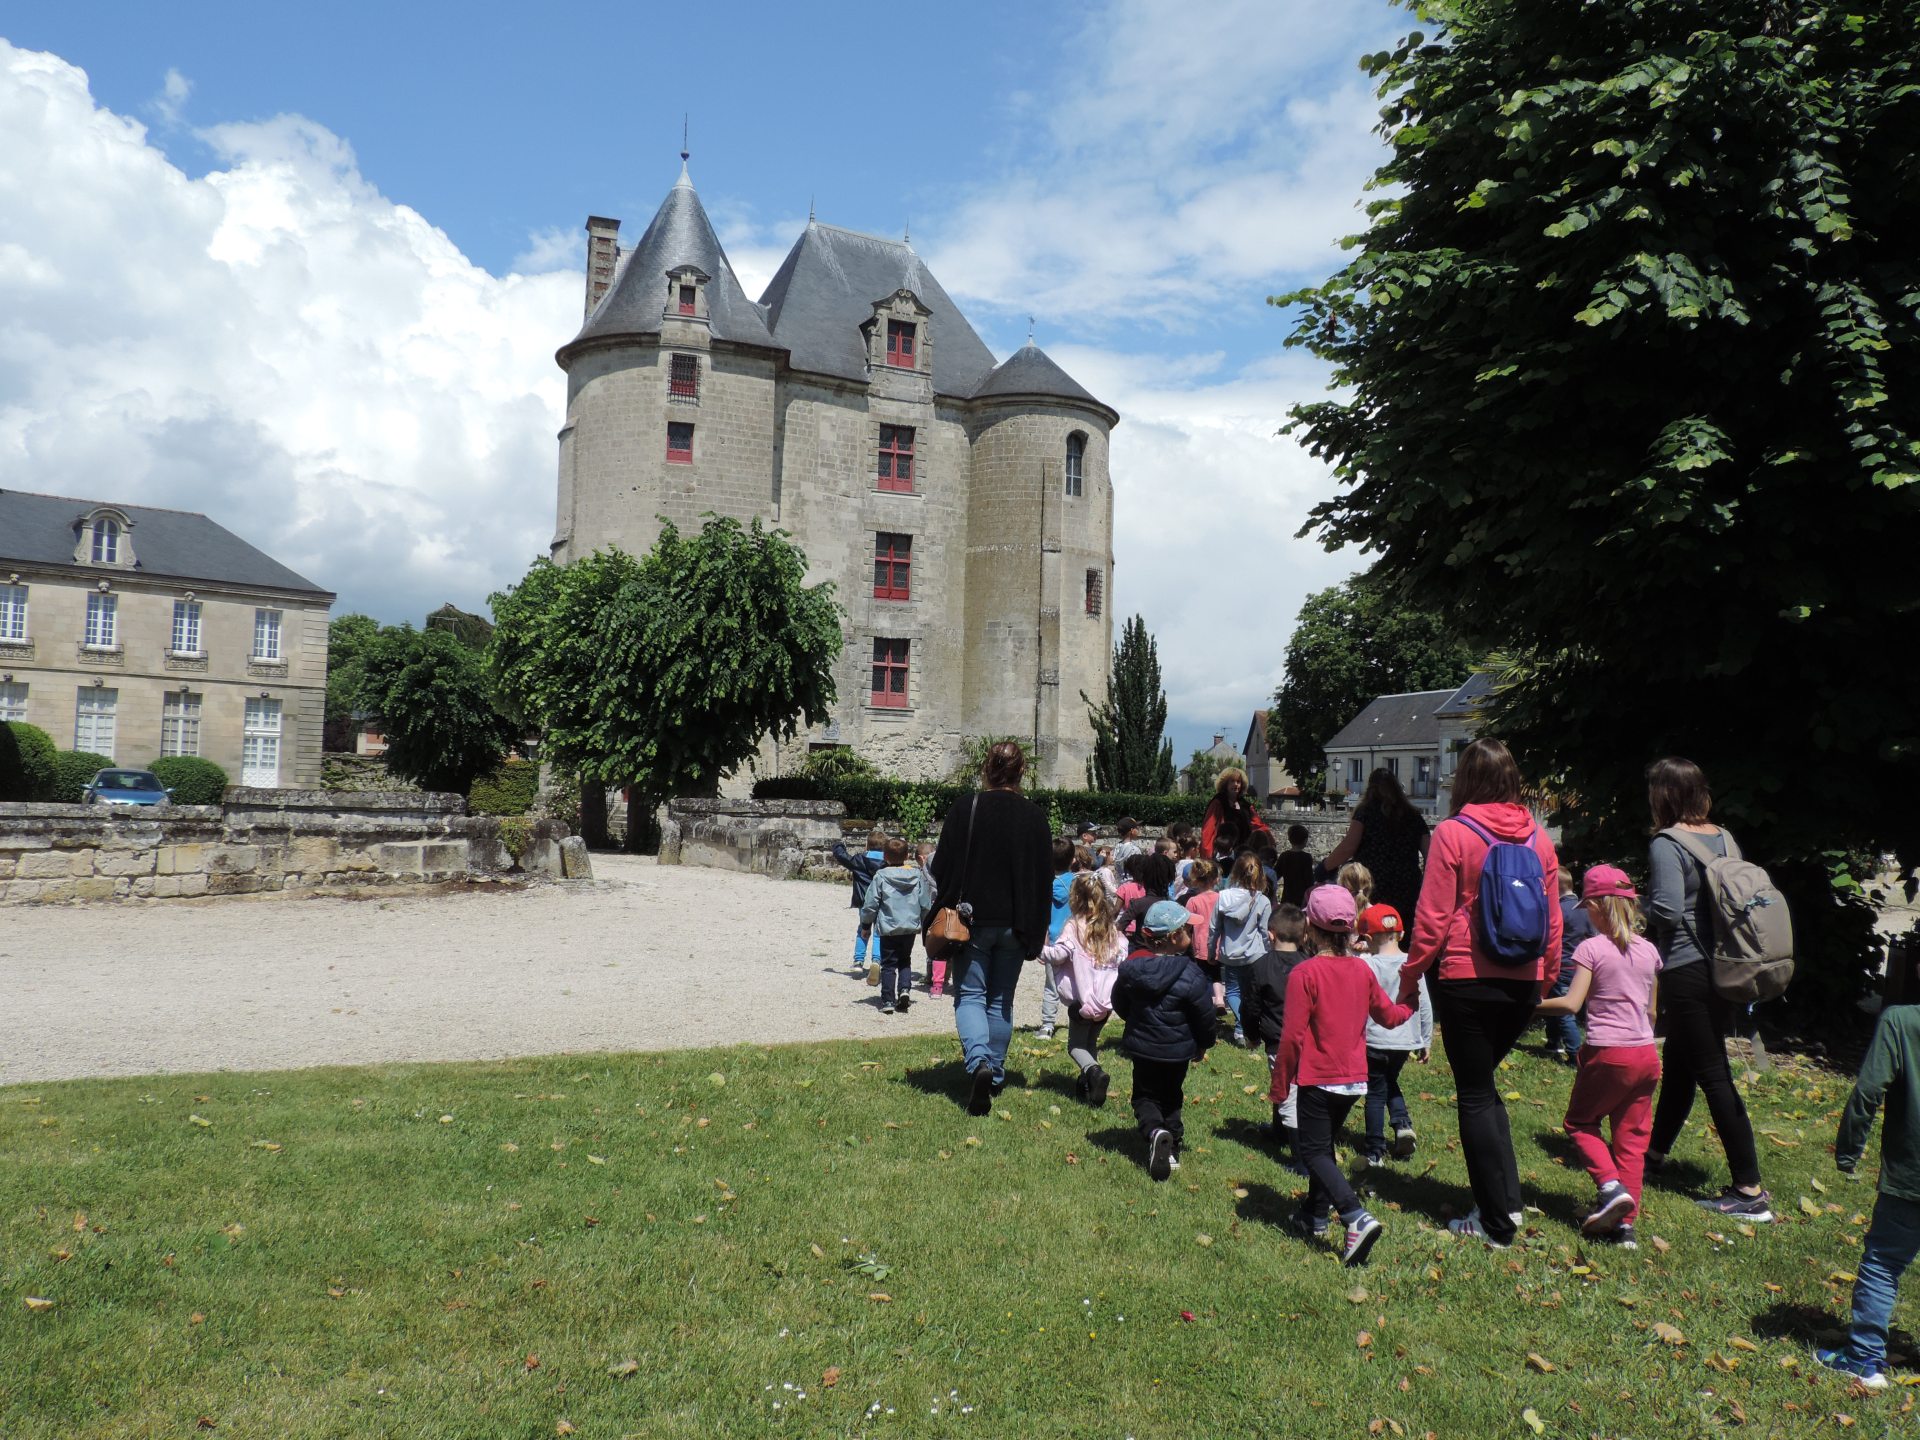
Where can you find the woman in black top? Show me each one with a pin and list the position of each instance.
(1389, 837)
(996, 857)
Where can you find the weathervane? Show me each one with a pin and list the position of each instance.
(684, 151)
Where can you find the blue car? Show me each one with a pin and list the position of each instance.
(125, 787)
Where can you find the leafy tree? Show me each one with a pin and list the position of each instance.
(1629, 373)
(1205, 767)
(432, 698)
(347, 640)
(972, 758)
(472, 631)
(1129, 752)
(1352, 643)
(665, 673)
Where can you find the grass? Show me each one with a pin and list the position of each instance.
(660, 1246)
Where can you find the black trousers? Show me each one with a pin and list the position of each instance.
(1322, 1113)
(1157, 1097)
(1480, 1021)
(896, 967)
(1695, 1058)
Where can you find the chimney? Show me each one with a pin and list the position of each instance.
(603, 251)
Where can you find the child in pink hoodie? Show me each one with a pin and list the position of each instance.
(1086, 960)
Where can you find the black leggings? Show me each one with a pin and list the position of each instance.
(1480, 1020)
(1695, 1058)
(1321, 1115)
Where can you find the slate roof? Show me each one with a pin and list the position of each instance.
(1469, 697)
(680, 234)
(825, 290)
(1257, 729)
(1394, 722)
(40, 530)
(1031, 371)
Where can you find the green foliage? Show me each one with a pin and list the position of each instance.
(193, 780)
(1352, 643)
(1629, 364)
(28, 769)
(348, 639)
(882, 800)
(1205, 767)
(973, 756)
(73, 771)
(473, 631)
(666, 672)
(915, 810)
(1128, 751)
(838, 762)
(433, 699)
(510, 790)
(516, 834)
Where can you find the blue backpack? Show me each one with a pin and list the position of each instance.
(1512, 915)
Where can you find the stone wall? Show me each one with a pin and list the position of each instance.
(268, 840)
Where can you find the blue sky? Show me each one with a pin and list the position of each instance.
(306, 267)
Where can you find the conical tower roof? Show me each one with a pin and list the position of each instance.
(679, 234)
(1031, 371)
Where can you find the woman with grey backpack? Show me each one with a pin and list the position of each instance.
(1695, 1012)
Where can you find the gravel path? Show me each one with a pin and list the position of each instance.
(642, 958)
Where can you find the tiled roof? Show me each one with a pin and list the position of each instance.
(1394, 722)
(1469, 697)
(1031, 371)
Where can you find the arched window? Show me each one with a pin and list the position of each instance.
(106, 541)
(1076, 463)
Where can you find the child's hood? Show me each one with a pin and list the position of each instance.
(1236, 904)
(900, 878)
(1156, 974)
(1508, 821)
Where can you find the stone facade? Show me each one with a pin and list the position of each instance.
(1006, 615)
(268, 840)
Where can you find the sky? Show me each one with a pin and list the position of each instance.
(305, 268)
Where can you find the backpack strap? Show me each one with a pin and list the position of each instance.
(1477, 828)
(1696, 847)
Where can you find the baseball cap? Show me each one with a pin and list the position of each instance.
(1380, 920)
(1086, 827)
(1330, 907)
(1607, 880)
(1126, 825)
(1163, 917)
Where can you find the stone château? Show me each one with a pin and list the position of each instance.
(962, 509)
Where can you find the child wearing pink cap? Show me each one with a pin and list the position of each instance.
(1323, 1051)
(1614, 978)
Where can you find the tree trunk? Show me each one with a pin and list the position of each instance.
(643, 825)
(593, 815)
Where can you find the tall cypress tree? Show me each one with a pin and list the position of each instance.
(1128, 751)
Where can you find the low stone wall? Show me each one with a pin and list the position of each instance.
(268, 840)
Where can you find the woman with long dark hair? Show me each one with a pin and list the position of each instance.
(1388, 836)
(996, 858)
(1482, 1002)
(1680, 923)
(1232, 818)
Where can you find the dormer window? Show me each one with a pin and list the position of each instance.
(106, 541)
(686, 292)
(689, 300)
(900, 341)
(104, 536)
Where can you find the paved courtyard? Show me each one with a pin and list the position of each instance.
(643, 958)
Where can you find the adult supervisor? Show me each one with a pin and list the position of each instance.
(1390, 838)
(1483, 1003)
(1680, 922)
(1232, 819)
(995, 856)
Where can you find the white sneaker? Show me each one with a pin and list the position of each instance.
(1361, 1234)
(1468, 1228)
(1045, 1032)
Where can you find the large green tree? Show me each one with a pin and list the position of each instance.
(664, 673)
(348, 638)
(432, 698)
(1353, 642)
(1129, 753)
(1629, 374)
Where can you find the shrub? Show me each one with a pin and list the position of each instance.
(193, 781)
(510, 790)
(27, 769)
(73, 769)
(838, 762)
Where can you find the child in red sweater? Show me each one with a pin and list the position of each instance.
(1323, 1051)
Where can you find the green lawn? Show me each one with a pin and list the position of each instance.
(661, 1246)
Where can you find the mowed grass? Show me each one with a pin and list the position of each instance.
(670, 1245)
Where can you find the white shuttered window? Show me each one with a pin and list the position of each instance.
(93, 721)
(179, 723)
(103, 627)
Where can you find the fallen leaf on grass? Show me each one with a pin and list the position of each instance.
(1717, 1361)
(1814, 1181)
(196, 1318)
(532, 1362)
(1357, 1295)
(1540, 1363)
(880, 1297)
(624, 1368)
(1203, 1239)
(202, 1122)
(1661, 1245)
(1843, 1277)
(818, 1253)
(596, 1159)
(1739, 1342)
(1239, 1192)
(1669, 1333)
(37, 1303)
(1808, 1207)
(1072, 1159)
(1534, 1422)
(1363, 1340)
(271, 1146)
(1186, 1315)
(563, 1427)
(206, 1422)
(830, 1376)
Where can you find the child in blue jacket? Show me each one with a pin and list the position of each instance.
(864, 868)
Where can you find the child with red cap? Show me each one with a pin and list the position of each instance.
(1614, 978)
(1388, 1046)
(1323, 1051)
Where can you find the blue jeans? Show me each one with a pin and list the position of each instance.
(1232, 978)
(1563, 1031)
(1384, 1100)
(1892, 1241)
(983, 978)
(860, 945)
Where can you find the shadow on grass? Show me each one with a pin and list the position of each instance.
(1418, 1193)
(950, 1081)
(1265, 1205)
(1679, 1177)
(1803, 1324)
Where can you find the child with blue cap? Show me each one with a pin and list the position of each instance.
(1167, 1002)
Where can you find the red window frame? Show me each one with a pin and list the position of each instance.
(892, 566)
(900, 342)
(890, 659)
(682, 453)
(896, 457)
(683, 376)
(688, 300)
(1094, 587)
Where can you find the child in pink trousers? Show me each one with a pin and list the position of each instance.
(1614, 978)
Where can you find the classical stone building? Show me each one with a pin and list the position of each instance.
(961, 508)
(136, 633)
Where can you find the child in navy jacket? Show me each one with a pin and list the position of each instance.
(864, 868)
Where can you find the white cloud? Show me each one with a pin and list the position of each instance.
(275, 343)
(171, 103)
(554, 248)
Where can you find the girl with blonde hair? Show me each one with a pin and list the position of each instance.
(1086, 960)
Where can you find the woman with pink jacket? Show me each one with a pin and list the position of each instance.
(1483, 1003)
(1086, 961)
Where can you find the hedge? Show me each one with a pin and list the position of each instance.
(510, 790)
(26, 762)
(73, 772)
(880, 800)
(194, 781)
